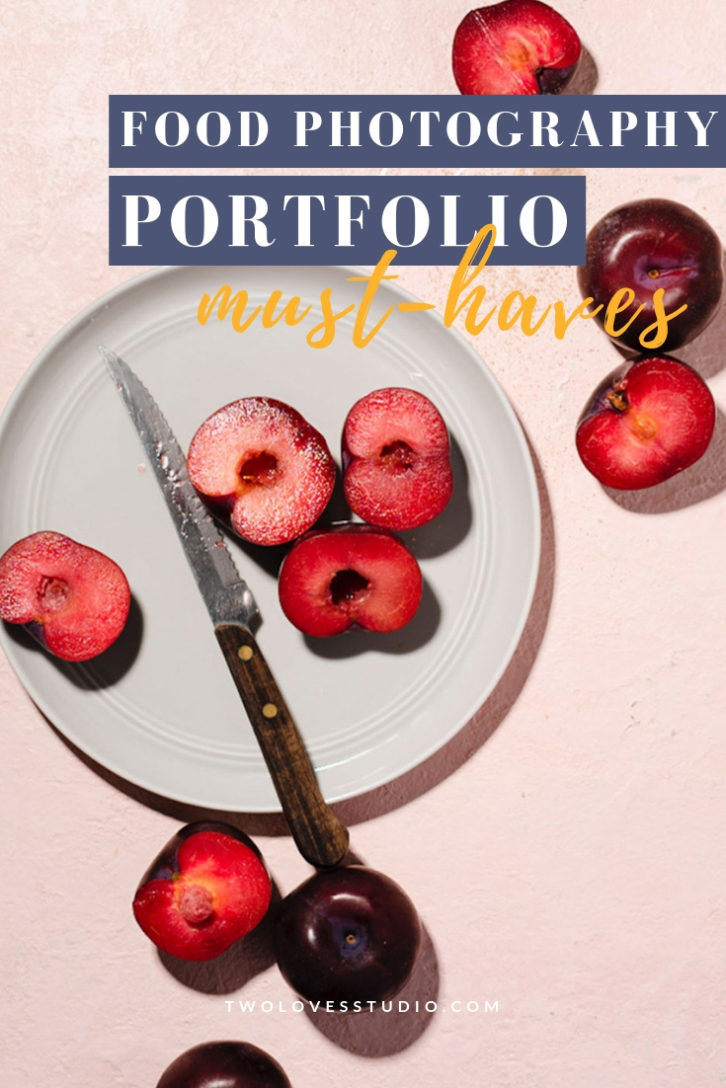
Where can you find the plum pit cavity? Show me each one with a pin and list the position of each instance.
(398, 457)
(347, 585)
(259, 468)
(53, 594)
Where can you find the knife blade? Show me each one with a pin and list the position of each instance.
(227, 596)
(318, 833)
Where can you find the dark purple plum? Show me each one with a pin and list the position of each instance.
(347, 935)
(224, 1065)
(652, 244)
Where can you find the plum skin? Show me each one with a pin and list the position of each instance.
(650, 244)
(347, 936)
(224, 1064)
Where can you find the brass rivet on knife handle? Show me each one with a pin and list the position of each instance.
(319, 835)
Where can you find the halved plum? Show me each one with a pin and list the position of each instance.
(350, 574)
(397, 471)
(262, 465)
(205, 890)
(74, 599)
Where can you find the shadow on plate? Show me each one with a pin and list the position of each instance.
(103, 671)
(416, 633)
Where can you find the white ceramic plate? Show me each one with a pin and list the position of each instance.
(160, 708)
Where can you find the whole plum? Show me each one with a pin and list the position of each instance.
(224, 1064)
(347, 937)
(646, 246)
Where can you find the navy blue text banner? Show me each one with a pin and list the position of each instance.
(235, 220)
(423, 131)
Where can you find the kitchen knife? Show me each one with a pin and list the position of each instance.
(319, 835)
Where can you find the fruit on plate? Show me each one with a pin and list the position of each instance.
(264, 467)
(396, 466)
(72, 598)
(347, 935)
(224, 1064)
(206, 889)
(350, 574)
(654, 246)
(646, 423)
(515, 47)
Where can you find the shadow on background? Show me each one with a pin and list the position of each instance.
(706, 353)
(585, 78)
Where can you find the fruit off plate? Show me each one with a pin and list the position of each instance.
(159, 708)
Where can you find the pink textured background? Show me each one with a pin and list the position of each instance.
(566, 851)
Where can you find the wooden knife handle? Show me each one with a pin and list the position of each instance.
(319, 835)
